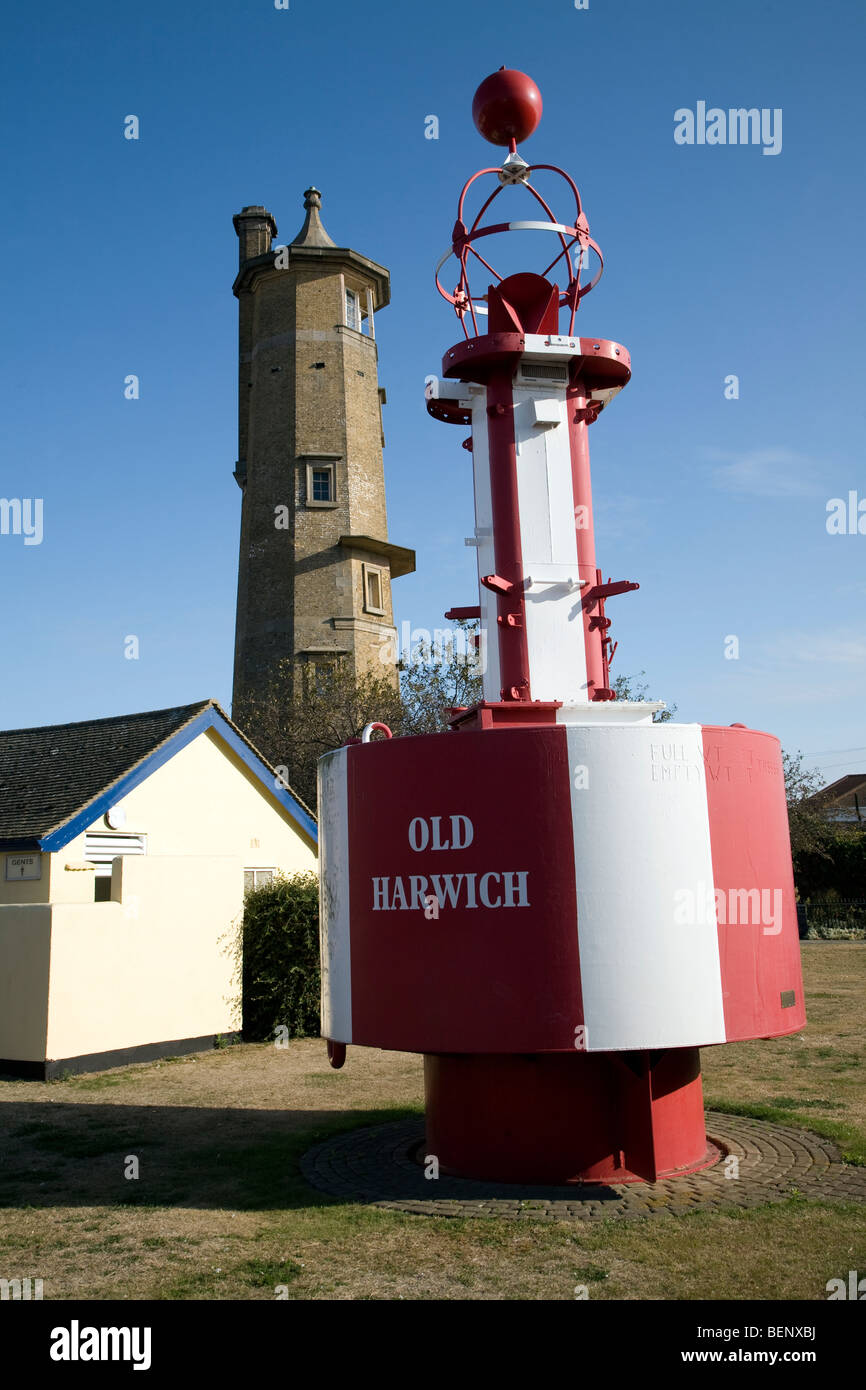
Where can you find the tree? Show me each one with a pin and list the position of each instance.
(310, 711)
(637, 688)
(438, 676)
(811, 833)
(296, 720)
(305, 713)
(829, 859)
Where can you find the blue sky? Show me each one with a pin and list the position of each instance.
(119, 257)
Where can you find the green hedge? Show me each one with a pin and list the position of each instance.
(839, 872)
(280, 970)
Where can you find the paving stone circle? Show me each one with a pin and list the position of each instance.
(378, 1165)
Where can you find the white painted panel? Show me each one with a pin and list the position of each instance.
(560, 487)
(550, 345)
(610, 712)
(546, 412)
(334, 919)
(533, 483)
(103, 849)
(100, 848)
(641, 838)
(491, 680)
(553, 574)
(554, 623)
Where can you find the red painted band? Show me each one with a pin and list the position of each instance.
(576, 398)
(756, 911)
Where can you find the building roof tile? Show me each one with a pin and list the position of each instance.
(49, 774)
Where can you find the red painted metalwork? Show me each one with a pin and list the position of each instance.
(752, 828)
(375, 727)
(560, 1118)
(602, 365)
(525, 303)
(449, 412)
(478, 358)
(569, 235)
(578, 440)
(495, 998)
(521, 305)
(499, 1094)
(512, 1093)
(496, 583)
(511, 971)
(478, 959)
(487, 714)
(607, 590)
(507, 107)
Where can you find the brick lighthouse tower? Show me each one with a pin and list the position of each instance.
(315, 568)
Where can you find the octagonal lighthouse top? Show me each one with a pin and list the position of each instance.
(530, 386)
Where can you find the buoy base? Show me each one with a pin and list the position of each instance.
(607, 1117)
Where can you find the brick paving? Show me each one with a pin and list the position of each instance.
(378, 1166)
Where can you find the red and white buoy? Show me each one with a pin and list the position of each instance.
(560, 906)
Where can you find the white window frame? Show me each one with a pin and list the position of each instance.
(353, 297)
(255, 871)
(321, 465)
(368, 572)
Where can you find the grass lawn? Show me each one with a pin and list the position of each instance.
(219, 1210)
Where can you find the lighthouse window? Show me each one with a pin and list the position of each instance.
(353, 310)
(318, 671)
(373, 602)
(321, 484)
(321, 487)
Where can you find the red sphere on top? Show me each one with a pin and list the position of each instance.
(506, 107)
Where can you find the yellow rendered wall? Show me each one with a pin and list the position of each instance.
(156, 966)
(149, 966)
(25, 890)
(204, 800)
(25, 938)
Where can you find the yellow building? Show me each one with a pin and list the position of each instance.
(126, 845)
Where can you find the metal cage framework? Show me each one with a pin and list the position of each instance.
(513, 172)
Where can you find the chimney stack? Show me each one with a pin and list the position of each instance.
(255, 228)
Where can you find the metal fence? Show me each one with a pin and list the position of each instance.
(840, 919)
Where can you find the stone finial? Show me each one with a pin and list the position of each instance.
(312, 233)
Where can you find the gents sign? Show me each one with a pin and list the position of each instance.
(20, 866)
(405, 893)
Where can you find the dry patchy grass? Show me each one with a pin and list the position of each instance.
(814, 1077)
(220, 1210)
